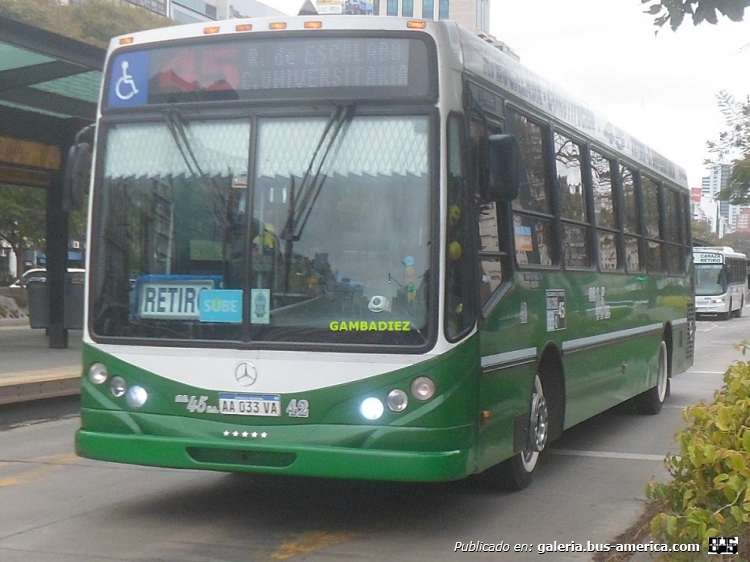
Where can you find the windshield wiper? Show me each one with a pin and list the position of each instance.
(301, 205)
(218, 204)
(176, 127)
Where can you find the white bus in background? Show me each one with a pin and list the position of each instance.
(720, 282)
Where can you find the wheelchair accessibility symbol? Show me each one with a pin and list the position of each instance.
(128, 82)
(125, 87)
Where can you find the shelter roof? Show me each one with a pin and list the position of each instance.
(47, 82)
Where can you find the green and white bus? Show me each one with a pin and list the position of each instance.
(720, 282)
(373, 248)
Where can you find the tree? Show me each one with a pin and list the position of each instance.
(740, 241)
(703, 234)
(673, 12)
(734, 145)
(20, 227)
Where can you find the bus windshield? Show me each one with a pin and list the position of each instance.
(710, 280)
(329, 241)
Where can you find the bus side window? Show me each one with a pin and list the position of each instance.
(605, 210)
(674, 232)
(573, 203)
(533, 226)
(651, 218)
(490, 257)
(493, 263)
(633, 261)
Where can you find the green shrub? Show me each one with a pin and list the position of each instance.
(709, 494)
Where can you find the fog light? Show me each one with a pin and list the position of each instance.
(117, 386)
(397, 400)
(371, 408)
(423, 388)
(136, 396)
(98, 373)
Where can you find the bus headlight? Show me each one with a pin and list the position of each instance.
(397, 400)
(136, 396)
(719, 300)
(98, 373)
(117, 387)
(423, 388)
(371, 408)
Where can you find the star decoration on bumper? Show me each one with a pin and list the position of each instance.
(245, 434)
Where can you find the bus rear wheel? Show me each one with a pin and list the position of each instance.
(650, 402)
(517, 472)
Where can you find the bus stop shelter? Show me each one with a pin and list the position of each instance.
(49, 85)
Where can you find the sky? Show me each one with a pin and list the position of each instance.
(661, 88)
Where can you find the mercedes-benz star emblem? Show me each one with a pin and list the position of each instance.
(245, 373)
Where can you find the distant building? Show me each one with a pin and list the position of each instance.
(472, 14)
(712, 184)
(743, 220)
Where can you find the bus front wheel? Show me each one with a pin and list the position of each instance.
(738, 312)
(517, 472)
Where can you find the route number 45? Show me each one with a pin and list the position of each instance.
(197, 404)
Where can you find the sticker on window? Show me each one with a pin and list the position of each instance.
(260, 301)
(221, 305)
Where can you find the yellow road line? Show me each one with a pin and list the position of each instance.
(310, 542)
(46, 468)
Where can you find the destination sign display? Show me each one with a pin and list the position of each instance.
(707, 258)
(286, 68)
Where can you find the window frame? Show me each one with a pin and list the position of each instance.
(587, 224)
(616, 229)
(551, 217)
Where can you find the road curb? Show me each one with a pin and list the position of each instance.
(40, 390)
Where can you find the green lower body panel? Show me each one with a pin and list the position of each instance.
(273, 450)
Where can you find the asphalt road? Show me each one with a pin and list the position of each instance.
(57, 507)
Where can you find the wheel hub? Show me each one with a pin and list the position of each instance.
(539, 424)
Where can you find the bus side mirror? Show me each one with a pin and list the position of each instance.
(503, 167)
(77, 174)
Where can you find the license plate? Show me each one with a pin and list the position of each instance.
(250, 405)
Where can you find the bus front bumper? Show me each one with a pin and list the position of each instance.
(282, 450)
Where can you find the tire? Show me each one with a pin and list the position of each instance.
(517, 472)
(738, 312)
(650, 402)
(724, 315)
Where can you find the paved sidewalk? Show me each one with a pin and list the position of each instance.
(30, 370)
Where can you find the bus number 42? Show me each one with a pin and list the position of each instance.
(298, 409)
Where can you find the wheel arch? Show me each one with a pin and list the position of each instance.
(552, 374)
(667, 337)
